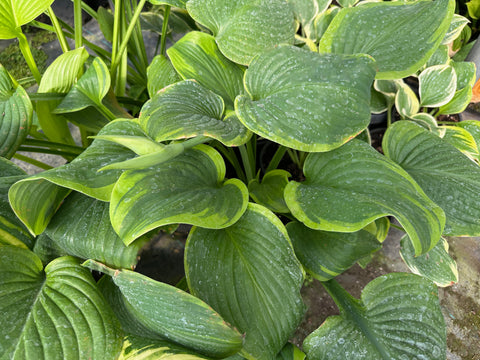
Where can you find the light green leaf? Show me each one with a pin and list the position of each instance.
(348, 188)
(57, 313)
(347, 3)
(298, 98)
(16, 114)
(306, 11)
(473, 7)
(458, 103)
(455, 29)
(253, 256)
(461, 44)
(439, 57)
(473, 127)
(189, 188)
(462, 140)
(428, 122)
(181, 318)
(466, 73)
(196, 56)
(400, 36)
(447, 176)
(290, 352)
(398, 316)
(406, 100)
(436, 265)
(14, 14)
(176, 3)
(328, 254)
(437, 85)
(187, 109)
(269, 192)
(245, 28)
(323, 20)
(160, 73)
(82, 228)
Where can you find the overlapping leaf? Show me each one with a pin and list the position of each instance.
(269, 192)
(307, 101)
(400, 36)
(245, 28)
(57, 312)
(16, 113)
(160, 73)
(250, 275)
(328, 254)
(348, 188)
(181, 317)
(306, 12)
(187, 109)
(189, 188)
(398, 316)
(447, 176)
(14, 14)
(437, 85)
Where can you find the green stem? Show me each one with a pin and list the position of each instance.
(53, 145)
(89, 11)
(106, 111)
(27, 54)
(277, 157)
(397, 227)
(294, 156)
(389, 115)
(46, 96)
(139, 44)
(58, 30)
(163, 46)
(77, 16)
(47, 151)
(116, 33)
(246, 163)
(230, 155)
(37, 163)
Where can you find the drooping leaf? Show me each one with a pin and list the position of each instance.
(435, 265)
(189, 188)
(14, 14)
(245, 28)
(462, 140)
(328, 254)
(160, 73)
(196, 56)
(16, 114)
(82, 228)
(249, 274)
(187, 109)
(348, 188)
(181, 318)
(455, 29)
(299, 99)
(269, 192)
(447, 176)
(12, 231)
(437, 85)
(400, 36)
(398, 316)
(406, 101)
(56, 312)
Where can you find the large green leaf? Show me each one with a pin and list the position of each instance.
(196, 56)
(327, 254)
(16, 113)
(245, 28)
(189, 188)
(400, 36)
(397, 317)
(12, 231)
(446, 175)
(187, 109)
(248, 272)
(82, 228)
(174, 314)
(56, 313)
(307, 101)
(14, 14)
(348, 188)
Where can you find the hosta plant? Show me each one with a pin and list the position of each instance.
(252, 127)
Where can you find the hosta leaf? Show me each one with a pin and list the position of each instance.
(462, 140)
(160, 73)
(378, 102)
(437, 85)
(466, 73)
(447, 176)
(249, 274)
(290, 352)
(46, 249)
(400, 36)
(12, 231)
(348, 188)
(306, 11)
(473, 127)
(82, 228)
(406, 102)
(196, 56)
(245, 28)
(439, 57)
(14, 14)
(189, 188)
(435, 265)
(187, 109)
(323, 20)
(181, 318)
(458, 103)
(16, 113)
(307, 101)
(56, 313)
(269, 192)
(176, 3)
(328, 254)
(455, 29)
(398, 316)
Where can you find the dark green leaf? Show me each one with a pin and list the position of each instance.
(269, 192)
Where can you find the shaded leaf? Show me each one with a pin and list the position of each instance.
(269, 192)
(348, 188)
(253, 256)
(307, 101)
(160, 73)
